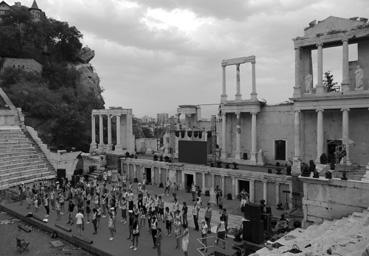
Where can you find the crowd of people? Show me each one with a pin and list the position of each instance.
(88, 201)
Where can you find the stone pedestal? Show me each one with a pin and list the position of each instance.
(296, 167)
(345, 87)
(93, 147)
(297, 92)
(320, 89)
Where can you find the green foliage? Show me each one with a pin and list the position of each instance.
(329, 83)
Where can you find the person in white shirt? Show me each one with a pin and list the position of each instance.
(204, 235)
(79, 222)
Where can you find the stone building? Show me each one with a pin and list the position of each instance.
(36, 13)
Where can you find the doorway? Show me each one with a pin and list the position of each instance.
(280, 150)
(243, 184)
(148, 175)
(331, 149)
(188, 181)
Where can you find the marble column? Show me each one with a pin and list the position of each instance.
(238, 95)
(319, 87)
(276, 193)
(93, 131)
(234, 188)
(253, 138)
(320, 135)
(265, 191)
(118, 146)
(297, 134)
(290, 205)
(223, 185)
(213, 181)
(159, 171)
(101, 131)
(203, 182)
(297, 88)
(254, 95)
(183, 179)
(224, 135)
(134, 171)
(237, 154)
(109, 132)
(252, 190)
(223, 97)
(345, 66)
(345, 133)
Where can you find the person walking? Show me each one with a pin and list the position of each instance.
(111, 224)
(168, 216)
(177, 228)
(70, 211)
(46, 205)
(221, 232)
(185, 240)
(184, 214)
(195, 214)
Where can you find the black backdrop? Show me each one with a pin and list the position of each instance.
(193, 152)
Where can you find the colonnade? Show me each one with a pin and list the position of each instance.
(320, 133)
(238, 136)
(237, 62)
(123, 119)
(319, 86)
(209, 179)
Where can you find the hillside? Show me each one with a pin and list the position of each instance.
(57, 101)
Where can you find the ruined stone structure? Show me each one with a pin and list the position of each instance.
(36, 13)
(124, 132)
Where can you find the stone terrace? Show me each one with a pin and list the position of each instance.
(21, 161)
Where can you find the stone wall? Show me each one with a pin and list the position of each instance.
(28, 65)
(363, 55)
(332, 199)
(146, 145)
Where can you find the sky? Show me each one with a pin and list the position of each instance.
(153, 55)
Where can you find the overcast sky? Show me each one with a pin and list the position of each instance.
(153, 55)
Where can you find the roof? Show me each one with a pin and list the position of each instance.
(3, 2)
(34, 5)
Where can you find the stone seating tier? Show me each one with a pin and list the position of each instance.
(347, 236)
(21, 161)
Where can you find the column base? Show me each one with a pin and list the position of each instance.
(320, 89)
(118, 148)
(109, 147)
(238, 97)
(345, 87)
(223, 98)
(297, 92)
(254, 96)
(237, 156)
(253, 157)
(93, 147)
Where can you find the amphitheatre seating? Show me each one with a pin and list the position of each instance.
(347, 236)
(21, 161)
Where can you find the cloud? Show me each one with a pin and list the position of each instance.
(153, 55)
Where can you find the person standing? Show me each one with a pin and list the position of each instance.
(158, 242)
(195, 214)
(94, 220)
(204, 235)
(111, 224)
(79, 222)
(168, 220)
(70, 211)
(135, 233)
(208, 214)
(46, 205)
(177, 228)
(184, 214)
(154, 229)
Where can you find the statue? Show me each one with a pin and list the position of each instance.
(309, 83)
(359, 76)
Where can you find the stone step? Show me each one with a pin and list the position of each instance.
(15, 146)
(32, 162)
(19, 160)
(18, 150)
(21, 168)
(33, 170)
(14, 140)
(18, 156)
(25, 179)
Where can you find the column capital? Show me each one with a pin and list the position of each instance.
(345, 109)
(297, 111)
(297, 48)
(345, 40)
(319, 44)
(253, 62)
(238, 114)
(254, 112)
(238, 66)
(319, 110)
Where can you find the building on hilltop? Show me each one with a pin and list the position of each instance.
(162, 118)
(36, 13)
(28, 65)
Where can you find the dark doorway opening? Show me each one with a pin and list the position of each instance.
(331, 149)
(148, 175)
(243, 184)
(280, 150)
(188, 182)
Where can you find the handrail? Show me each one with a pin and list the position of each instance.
(204, 247)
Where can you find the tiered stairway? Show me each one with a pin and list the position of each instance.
(348, 236)
(21, 160)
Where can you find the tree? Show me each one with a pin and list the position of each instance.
(328, 82)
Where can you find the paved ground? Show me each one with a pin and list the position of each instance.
(39, 241)
(120, 245)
